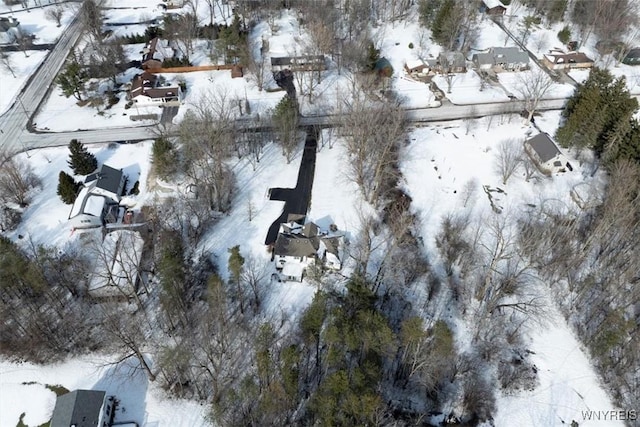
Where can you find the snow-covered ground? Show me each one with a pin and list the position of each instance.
(45, 219)
(45, 31)
(512, 82)
(23, 67)
(22, 390)
(439, 166)
(465, 89)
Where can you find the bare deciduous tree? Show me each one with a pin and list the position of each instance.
(532, 86)
(16, 180)
(55, 14)
(7, 63)
(508, 158)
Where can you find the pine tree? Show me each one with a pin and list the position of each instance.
(67, 188)
(236, 261)
(80, 160)
(442, 20)
(73, 78)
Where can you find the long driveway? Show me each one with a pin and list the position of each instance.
(296, 200)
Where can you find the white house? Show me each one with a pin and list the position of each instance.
(299, 246)
(546, 154)
(98, 200)
(83, 408)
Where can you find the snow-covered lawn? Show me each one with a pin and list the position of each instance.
(140, 400)
(438, 167)
(569, 387)
(23, 67)
(45, 220)
(34, 21)
(514, 81)
(465, 89)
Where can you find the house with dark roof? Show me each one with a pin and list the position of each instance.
(546, 155)
(83, 408)
(633, 57)
(557, 60)
(501, 59)
(448, 62)
(493, 7)
(9, 29)
(146, 91)
(98, 201)
(300, 245)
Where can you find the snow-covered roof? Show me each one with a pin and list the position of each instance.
(94, 205)
(493, 3)
(76, 209)
(415, 63)
(293, 269)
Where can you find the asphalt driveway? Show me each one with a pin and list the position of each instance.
(296, 200)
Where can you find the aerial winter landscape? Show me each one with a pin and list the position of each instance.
(319, 213)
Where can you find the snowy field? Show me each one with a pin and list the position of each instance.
(465, 89)
(23, 67)
(23, 390)
(45, 219)
(439, 165)
(512, 82)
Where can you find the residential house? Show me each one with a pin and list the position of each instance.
(493, 7)
(145, 91)
(448, 62)
(9, 29)
(83, 408)
(557, 60)
(501, 59)
(154, 52)
(298, 63)
(298, 246)
(98, 200)
(546, 154)
(117, 259)
(633, 57)
(416, 67)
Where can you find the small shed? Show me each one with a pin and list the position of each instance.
(493, 7)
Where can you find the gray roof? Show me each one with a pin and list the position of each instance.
(544, 147)
(332, 244)
(80, 408)
(509, 55)
(634, 53)
(483, 58)
(310, 230)
(7, 23)
(295, 245)
(455, 59)
(108, 178)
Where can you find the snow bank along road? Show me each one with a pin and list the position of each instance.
(21, 139)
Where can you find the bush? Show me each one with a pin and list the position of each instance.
(410, 45)
(9, 218)
(135, 190)
(163, 157)
(564, 35)
(176, 62)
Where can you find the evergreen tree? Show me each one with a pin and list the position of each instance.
(236, 262)
(599, 116)
(73, 78)
(163, 158)
(442, 20)
(427, 11)
(80, 160)
(67, 188)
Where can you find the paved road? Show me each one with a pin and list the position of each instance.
(296, 200)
